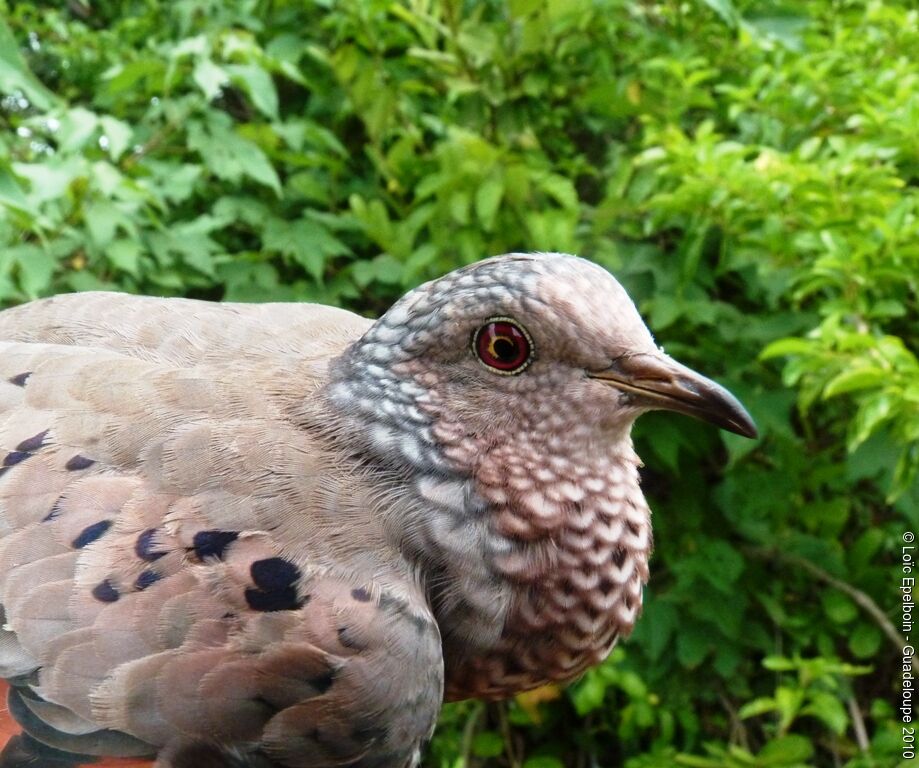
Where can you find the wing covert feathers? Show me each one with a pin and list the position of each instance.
(172, 571)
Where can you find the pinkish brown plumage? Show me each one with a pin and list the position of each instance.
(281, 534)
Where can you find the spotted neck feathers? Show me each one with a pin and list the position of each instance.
(534, 543)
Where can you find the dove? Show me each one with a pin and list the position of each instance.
(283, 534)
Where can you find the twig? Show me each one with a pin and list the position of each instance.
(469, 732)
(858, 724)
(508, 737)
(860, 598)
(737, 727)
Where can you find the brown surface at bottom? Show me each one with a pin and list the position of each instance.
(9, 728)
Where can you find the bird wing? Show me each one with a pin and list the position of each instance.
(179, 559)
(184, 331)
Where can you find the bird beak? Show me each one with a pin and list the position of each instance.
(657, 381)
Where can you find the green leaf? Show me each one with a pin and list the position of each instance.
(661, 622)
(36, 266)
(125, 255)
(308, 242)
(258, 85)
(873, 411)
(11, 194)
(420, 258)
(384, 268)
(829, 709)
(692, 761)
(520, 8)
(725, 9)
(788, 702)
(544, 761)
(102, 219)
(693, 644)
(850, 381)
(229, 156)
(488, 200)
(787, 29)
(722, 565)
(757, 707)
(191, 242)
(210, 78)
(176, 182)
(117, 136)
(458, 205)
(487, 744)
(784, 347)
(588, 694)
(77, 126)
(838, 607)
(779, 664)
(15, 74)
(559, 188)
(865, 641)
(785, 750)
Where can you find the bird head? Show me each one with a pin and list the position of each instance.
(524, 344)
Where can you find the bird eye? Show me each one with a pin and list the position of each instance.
(503, 345)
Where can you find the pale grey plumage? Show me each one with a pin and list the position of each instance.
(285, 529)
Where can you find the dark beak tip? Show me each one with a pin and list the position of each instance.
(728, 413)
(745, 428)
(657, 381)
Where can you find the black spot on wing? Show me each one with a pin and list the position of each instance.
(213, 543)
(361, 595)
(275, 585)
(90, 533)
(14, 457)
(145, 546)
(274, 574)
(146, 579)
(323, 682)
(55, 511)
(78, 462)
(33, 443)
(20, 379)
(276, 600)
(106, 592)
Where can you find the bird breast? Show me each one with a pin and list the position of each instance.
(566, 537)
(533, 542)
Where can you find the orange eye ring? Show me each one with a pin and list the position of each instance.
(503, 346)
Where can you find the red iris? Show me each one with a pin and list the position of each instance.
(503, 345)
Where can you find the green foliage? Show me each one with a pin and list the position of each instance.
(749, 170)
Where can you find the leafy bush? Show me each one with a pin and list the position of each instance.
(749, 170)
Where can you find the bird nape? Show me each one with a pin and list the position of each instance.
(283, 535)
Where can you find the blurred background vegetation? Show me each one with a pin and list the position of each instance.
(748, 169)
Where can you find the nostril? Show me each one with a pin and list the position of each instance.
(689, 386)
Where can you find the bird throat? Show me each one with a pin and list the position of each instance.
(533, 544)
(569, 537)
